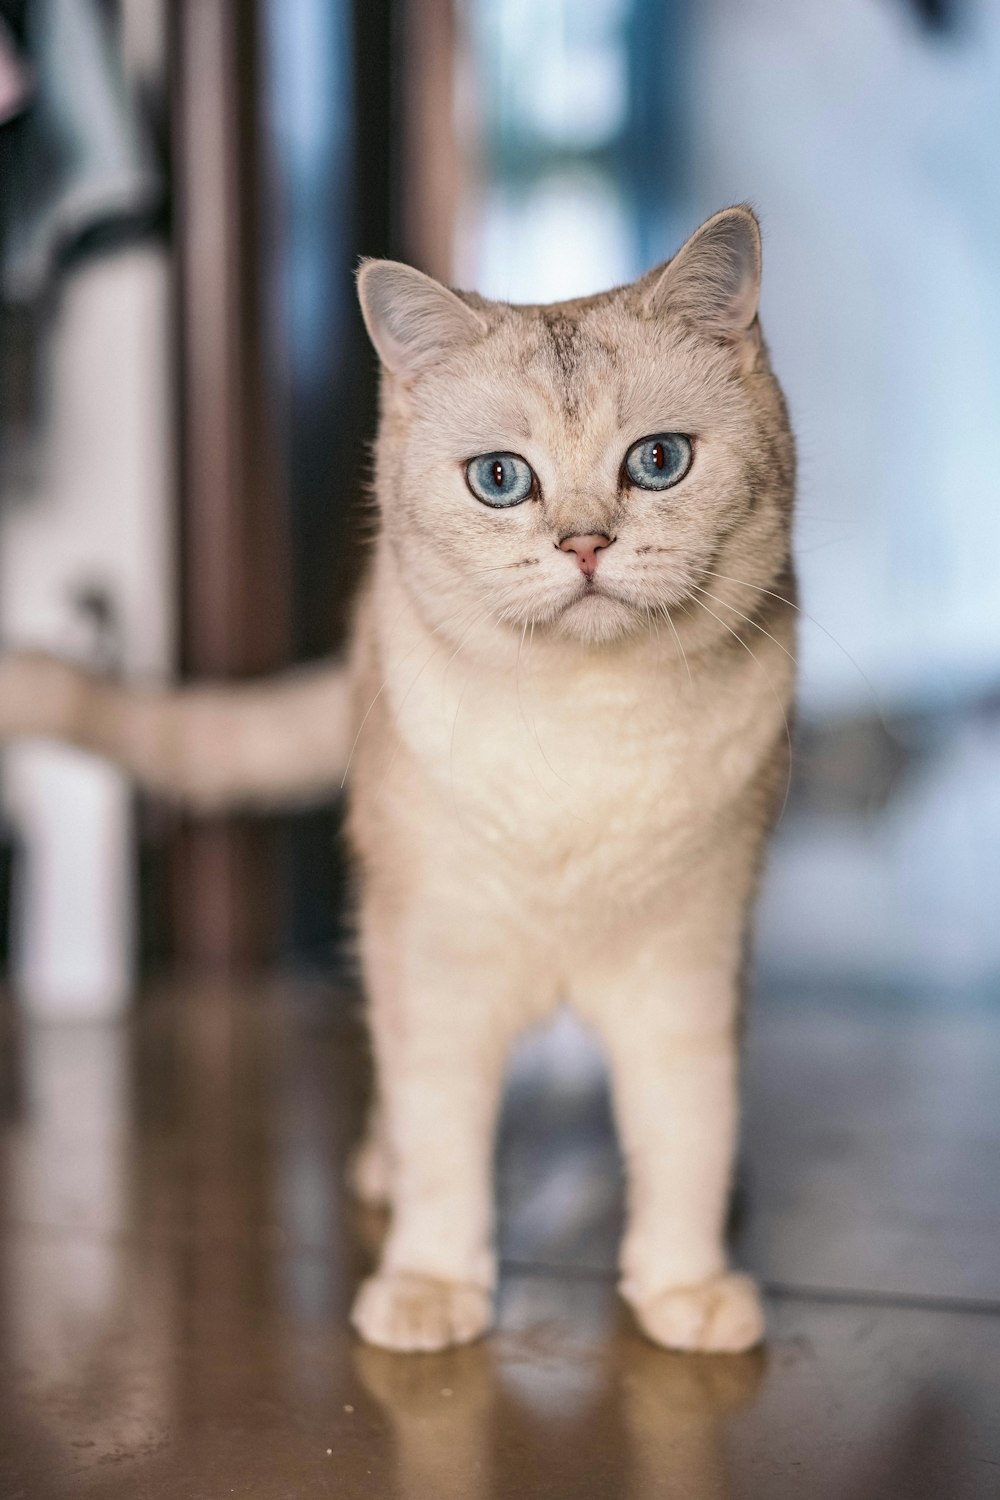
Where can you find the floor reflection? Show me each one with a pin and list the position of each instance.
(177, 1258)
(77, 1321)
(628, 1421)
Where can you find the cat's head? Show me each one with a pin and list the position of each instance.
(583, 466)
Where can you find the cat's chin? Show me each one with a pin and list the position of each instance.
(596, 619)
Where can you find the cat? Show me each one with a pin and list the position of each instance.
(564, 719)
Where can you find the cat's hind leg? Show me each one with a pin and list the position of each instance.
(368, 1173)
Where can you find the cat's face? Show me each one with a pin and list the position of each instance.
(577, 468)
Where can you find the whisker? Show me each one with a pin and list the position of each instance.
(381, 689)
(495, 568)
(777, 698)
(819, 626)
(517, 674)
(755, 623)
(680, 644)
(487, 610)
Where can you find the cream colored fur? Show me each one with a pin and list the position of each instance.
(212, 747)
(556, 793)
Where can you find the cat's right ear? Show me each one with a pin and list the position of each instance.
(411, 319)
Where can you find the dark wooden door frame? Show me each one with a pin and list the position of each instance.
(234, 607)
(236, 563)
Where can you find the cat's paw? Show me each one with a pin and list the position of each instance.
(417, 1313)
(368, 1173)
(720, 1316)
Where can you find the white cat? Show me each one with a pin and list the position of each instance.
(565, 724)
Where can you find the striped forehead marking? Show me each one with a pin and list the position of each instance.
(564, 347)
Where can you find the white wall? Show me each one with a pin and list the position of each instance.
(868, 145)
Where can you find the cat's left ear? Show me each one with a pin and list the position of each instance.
(714, 280)
(411, 319)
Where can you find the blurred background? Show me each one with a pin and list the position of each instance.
(187, 400)
(187, 403)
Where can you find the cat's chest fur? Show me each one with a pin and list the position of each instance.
(570, 783)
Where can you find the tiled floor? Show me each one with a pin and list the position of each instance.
(177, 1257)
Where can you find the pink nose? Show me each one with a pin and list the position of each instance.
(586, 549)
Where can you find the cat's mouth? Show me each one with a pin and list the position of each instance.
(591, 591)
(597, 613)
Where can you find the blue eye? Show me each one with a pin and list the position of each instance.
(500, 479)
(657, 462)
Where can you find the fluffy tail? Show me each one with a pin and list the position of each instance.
(283, 739)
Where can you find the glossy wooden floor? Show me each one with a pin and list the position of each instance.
(178, 1257)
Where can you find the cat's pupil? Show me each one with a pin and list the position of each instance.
(659, 456)
(498, 474)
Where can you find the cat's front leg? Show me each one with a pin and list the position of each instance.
(442, 1021)
(669, 1021)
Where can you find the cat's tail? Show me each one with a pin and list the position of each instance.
(283, 739)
